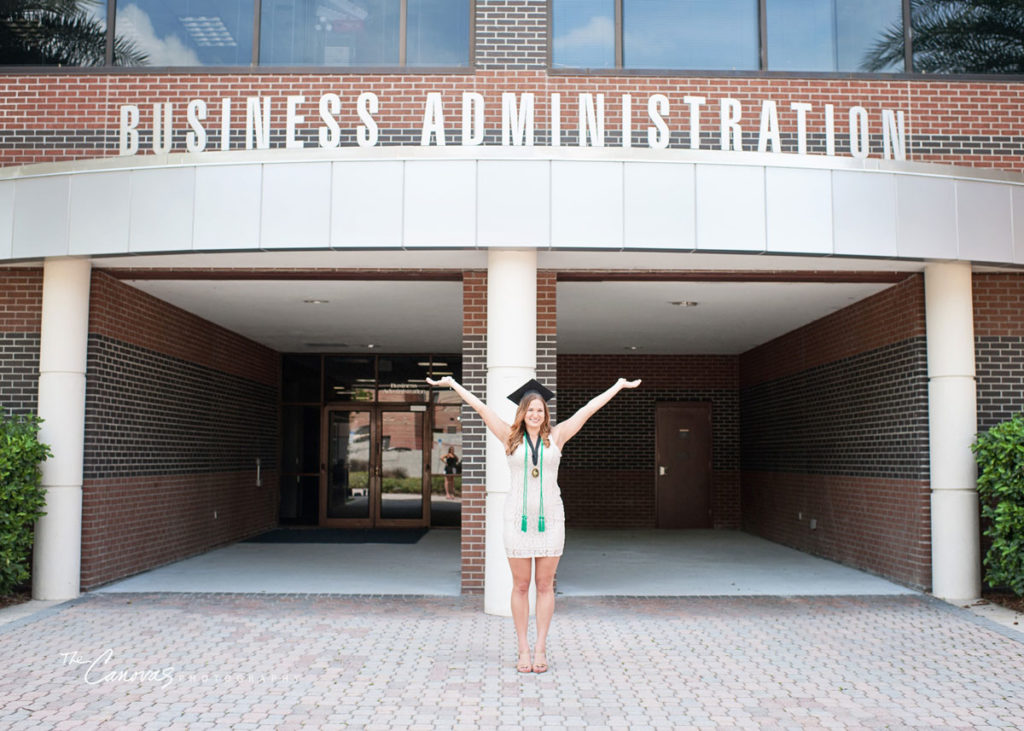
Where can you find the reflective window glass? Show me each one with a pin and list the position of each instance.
(329, 32)
(690, 34)
(437, 33)
(583, 34)
(349, 378)
(53, 34)
(188, 32)
(835, 35)
(403, 378)
(967, 37)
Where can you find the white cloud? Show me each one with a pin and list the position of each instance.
(599, 31)
(134, 23)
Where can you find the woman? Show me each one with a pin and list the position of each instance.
(451, 465)
(534, 523)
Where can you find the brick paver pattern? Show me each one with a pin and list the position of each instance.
(244, 661)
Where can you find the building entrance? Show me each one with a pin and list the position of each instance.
(363, 442)
(376, 471)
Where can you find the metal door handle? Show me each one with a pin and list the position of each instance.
(661, 469)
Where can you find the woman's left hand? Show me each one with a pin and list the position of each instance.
(629, 384)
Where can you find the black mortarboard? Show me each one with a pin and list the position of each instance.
(531, 386)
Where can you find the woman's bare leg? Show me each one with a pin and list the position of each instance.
(522, 568)
(546, 568)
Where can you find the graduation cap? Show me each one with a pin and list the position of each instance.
(531, 387)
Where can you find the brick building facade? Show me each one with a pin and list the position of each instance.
(825, 421)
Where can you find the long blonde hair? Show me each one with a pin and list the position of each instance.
(515, 434)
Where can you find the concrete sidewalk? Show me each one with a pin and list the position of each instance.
(287, 661)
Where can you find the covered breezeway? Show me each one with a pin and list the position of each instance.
(596, 563)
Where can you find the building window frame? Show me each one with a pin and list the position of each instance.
(254, 67)
(907, 72)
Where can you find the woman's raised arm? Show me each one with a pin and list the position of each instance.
(567, 429)
(494, 422)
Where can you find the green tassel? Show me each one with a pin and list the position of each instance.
(524, 524)
(540, 524)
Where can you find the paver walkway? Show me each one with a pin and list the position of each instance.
(244, 661)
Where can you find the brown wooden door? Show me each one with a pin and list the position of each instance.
(683, 447)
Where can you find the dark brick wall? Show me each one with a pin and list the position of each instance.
(21, 293)
(511, 35)
(177, 412)
(607, 475)
(863, 415)
(835, 430)
(999, 346)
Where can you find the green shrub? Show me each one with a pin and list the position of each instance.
(21, 495)
(1000, 456)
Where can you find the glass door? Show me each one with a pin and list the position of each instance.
(374, 468)
(403, 472)
(346, 483)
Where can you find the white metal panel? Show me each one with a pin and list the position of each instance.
(586, 203)
(514, 203)
(440, 203)
(366, 203)
(41, 217)
(1018, 223)
(925, 217)
(6, 218)
(864, 213)
(99, 213)
(799, 211)
(162, 203)
(660, 206)
(228, 207)
(730, 208)
(296, 205)
(983, 221)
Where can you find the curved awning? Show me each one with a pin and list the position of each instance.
(480, 197)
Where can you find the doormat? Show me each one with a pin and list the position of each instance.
(339, 535)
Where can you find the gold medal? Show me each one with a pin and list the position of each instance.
(534, 472)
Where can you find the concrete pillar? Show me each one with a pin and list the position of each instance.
(511, 360)
(952, 427)
(63, 340)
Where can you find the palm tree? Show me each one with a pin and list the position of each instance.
(58, 33)
(957, 37)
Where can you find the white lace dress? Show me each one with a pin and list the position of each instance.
(534, 543)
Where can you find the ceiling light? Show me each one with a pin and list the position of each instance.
(371, 346)
(684, 303)
(315, 302)
(632, 347)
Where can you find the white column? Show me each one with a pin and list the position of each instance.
(511, 361)
(63, 340)
(952, 427)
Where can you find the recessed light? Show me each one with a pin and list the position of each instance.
(315, 302)
(371, 346)
(684, 303)
(632, 347)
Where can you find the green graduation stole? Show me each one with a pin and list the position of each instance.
(536, 472)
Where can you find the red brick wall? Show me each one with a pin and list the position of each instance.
(835, 430)
(607, 475)
(21, 296)
(474, 433)
(871, 523)
(177, 412)
(52, 117)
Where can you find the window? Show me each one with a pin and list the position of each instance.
(690, 34)
(187, 32)
(831, 35)
(65, 34)
(583, 34)
(221, 33)
(314, 33)
(845, 36)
